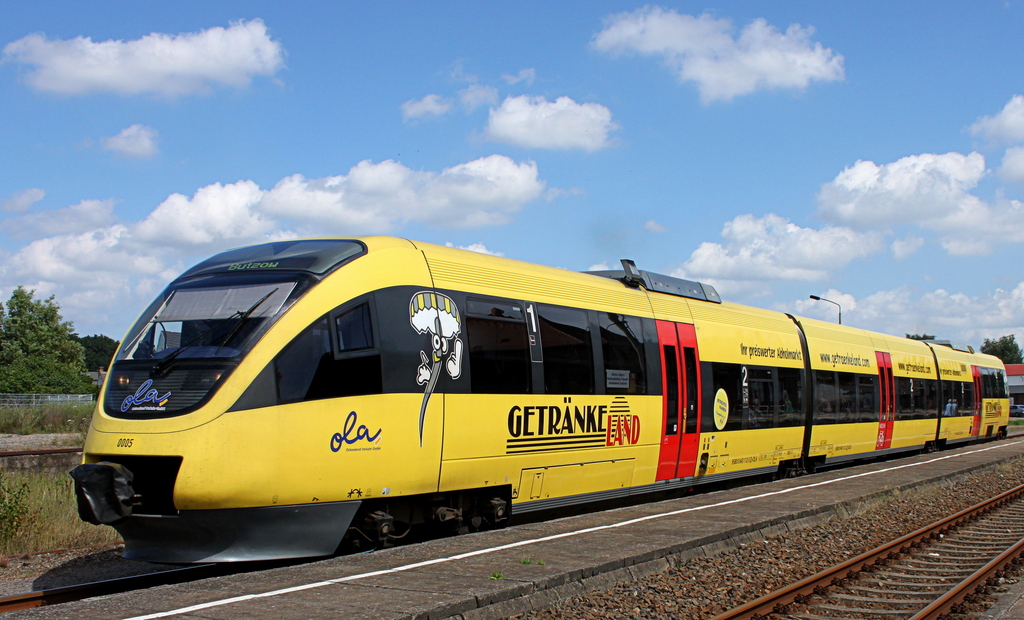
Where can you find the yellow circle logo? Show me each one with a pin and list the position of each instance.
(721, 409)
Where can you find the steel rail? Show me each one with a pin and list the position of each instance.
(78, 592)
(41, 452)
(951, 601)
(800, 592)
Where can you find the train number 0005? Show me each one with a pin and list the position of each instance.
(125, 442)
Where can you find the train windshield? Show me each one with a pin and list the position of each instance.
(191, 338)
(209, 321)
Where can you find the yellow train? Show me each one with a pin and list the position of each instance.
(277, 400)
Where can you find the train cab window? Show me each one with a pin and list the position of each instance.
(296, 366)
(568, 354)
(622, 344)
(499, 347)
(309, 368)
(867, 398)
(355, 331)
(790, 397)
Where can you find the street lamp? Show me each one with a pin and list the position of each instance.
(816, 298)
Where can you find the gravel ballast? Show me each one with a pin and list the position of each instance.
(702, 588)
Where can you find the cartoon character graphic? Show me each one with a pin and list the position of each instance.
(435, 314)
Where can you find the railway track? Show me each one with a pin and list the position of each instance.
(925, 575)
(12, 453)
(67, 594)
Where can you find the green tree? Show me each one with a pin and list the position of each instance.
(38, 351)
(98, 350)
(1005, 348)
(921, 336)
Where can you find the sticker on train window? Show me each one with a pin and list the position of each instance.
(618, 379)
(721, 409)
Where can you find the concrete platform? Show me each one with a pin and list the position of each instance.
(485, 575)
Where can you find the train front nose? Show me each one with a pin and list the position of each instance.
(104, 492)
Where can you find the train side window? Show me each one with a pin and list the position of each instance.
(847, 412)
(825, 397)
(761, 394)
(568, 354)
(791, 393)
(926, 398)
(988, 383)
(904, 398)
(729, 378)
(867, 398)
(499, 348)
(967, 405)
(622, 344)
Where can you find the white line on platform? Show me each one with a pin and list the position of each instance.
(523, 543)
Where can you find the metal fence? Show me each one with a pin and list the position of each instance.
(37, 400)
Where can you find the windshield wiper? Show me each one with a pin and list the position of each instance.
(242, 317)
(160, 367)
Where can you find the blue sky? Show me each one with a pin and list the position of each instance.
(868, 153)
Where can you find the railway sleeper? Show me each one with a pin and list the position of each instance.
(909, 602)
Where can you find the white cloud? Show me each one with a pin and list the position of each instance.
(760, 250)
(431, 105)
(652, 226)
(377, 197)
(534, 122)
(902, 248)
(477, 95)
(474, 247)
(702, 49)
(1005, 127)
(599, 267)
(458, 74)
(929, 191)
(20, 202)
(85, 216)
(115, 267)
(161, 64)
(1012, 169)
(525, 75)
(953, 316)
(137, 141)
(215, 213)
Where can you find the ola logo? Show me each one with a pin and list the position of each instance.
(721, 409)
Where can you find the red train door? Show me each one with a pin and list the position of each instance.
(886, 401)
(671, 400)
(691, 401)
(680, 388)
(976, 425)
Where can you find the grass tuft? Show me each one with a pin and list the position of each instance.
(44, 515)
(55, 418)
